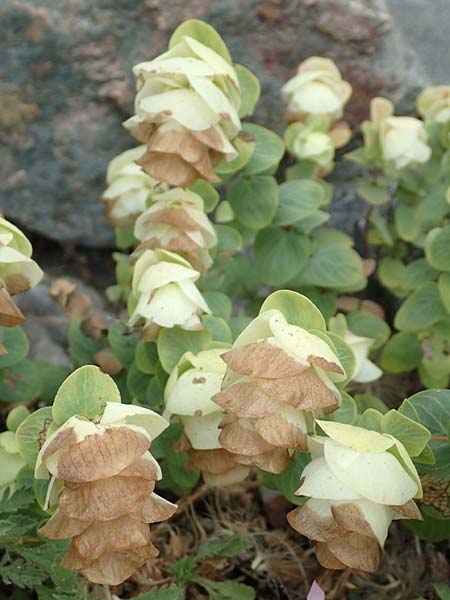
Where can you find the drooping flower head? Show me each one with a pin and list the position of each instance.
(277, 375)
(433, 103)
(18, 271)
(188, 395)
(102, 481)
(176, 221)
(358, 482)
(317, 89)
(128, 188)
(186, 107)
(165, 293)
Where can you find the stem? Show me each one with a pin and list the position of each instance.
(16, 541)
(107, 592)
(366, 232)
(439, 438)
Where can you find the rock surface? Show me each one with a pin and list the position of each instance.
(66, 83)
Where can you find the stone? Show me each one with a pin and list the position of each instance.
(66, 83)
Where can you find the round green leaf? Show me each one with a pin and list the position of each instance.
(16, 416)
(335, 266)
(209, 194)
(15, 343)
(423, 308)
(297, 309)
(146, 357)
(345, 354)
(250, 90)
(437, 248)
(20, 383)
(444, 289)
(229, 240)
(52, 377)
(402, 353)
(203, 33)
(123, 342)
(245, 149)
(413, 435)
(83, 393)
(346, 413)
(269, 149)
(219, 328)
(298, 199)
(30, 434)
(280, 254)
(174, 342)
(254, 200)
(373, 194)
(368, 325)
(219, 303)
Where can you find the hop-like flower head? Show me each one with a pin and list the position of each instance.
(404, 142)
(164, 287)
(18, 271)
(186, 112)
(176, 221)
(277, 375)
(358, 482)
(106, 477)
(433, 103)
(128, 188)
(317, 89)
(190, 387)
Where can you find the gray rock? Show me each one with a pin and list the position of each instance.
(66, 84)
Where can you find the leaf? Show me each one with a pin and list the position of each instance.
(16, 344)
(423, 308)
(442, 590)
(444, 289)
(298, 200)
(346, 413)
(203, 33)
(431, 529)
(280, 254)
(174, 342)
(209, 194)
(401, 353)
(250, 90)
(20, 383)
(288, 482)
(381, 228)
(167, 593)
(123, 342)
(219, 303)
(335, 266)
(269, 149)
(373, 194)
(297, 309)
(81, 347)
(52, 377)
(16, 416)
(140, 387)
(431, 408)
(411, 434)
(419, 272)
(254, 200)
(219, 328)
(231, 546)
(229, 240)
(437, 248)
(407, 223)
(368, 325)
(392, 274)
(31, 433)
(226, 590)
(146, 357)
(83, 393)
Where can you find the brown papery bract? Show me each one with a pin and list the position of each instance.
(107, 501)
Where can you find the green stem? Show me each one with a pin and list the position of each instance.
(16, 541)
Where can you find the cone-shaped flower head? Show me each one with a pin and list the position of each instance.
(11, 461)
(18, 271)
(318, 88)
(128, 188)
(277, 375)
(106, 477)
(164, 286)
(186, 110)
(433, 103)
(190, 387)
(404, 142)
(358, 482)
(176, 221)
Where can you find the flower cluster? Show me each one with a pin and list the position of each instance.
(164, 293)
(128, 189)
(315, 100)
(433, 103)
(188, 395)
(102, 480)
(18, 271)
(358, 482)
(277, 375)
(186, 111)
(176, 221)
